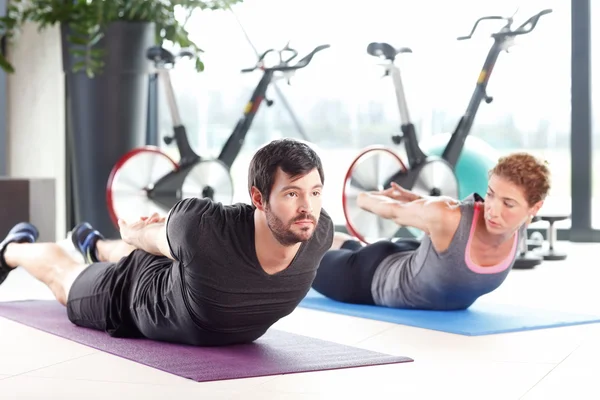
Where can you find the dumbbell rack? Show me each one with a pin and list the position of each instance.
(531, 254)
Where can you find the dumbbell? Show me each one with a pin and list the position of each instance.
(551, 254)
(535, 241)
(526, 259)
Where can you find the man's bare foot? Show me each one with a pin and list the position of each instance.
(339, 238)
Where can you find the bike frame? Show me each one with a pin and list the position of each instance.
(167, 190)
(454, 147)
(457, 140)
(162, 192)
(186, 154)
(414, 154)
(502, 40)
(235, 141)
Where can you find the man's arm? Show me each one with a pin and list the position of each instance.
(153, 239)
(180, 235)
(147, 235)
(424, 213)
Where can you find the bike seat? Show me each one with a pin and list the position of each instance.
(160, 55)
(378, 49)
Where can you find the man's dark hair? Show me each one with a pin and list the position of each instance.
(294, 157)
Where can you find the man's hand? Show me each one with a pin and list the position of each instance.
(147, 234)
(154, 218)
(132, 233)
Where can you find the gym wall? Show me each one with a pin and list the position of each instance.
(36, 113)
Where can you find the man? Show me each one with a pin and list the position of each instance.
(207, 274)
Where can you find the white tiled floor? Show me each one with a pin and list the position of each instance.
(559, 363)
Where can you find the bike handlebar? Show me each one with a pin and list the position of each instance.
(532, 21)
(284, 64)
(470, 35)
(506, 30)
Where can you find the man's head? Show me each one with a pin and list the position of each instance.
(285, 180)
(517, 188)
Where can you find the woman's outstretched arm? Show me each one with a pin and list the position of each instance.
(423, 213)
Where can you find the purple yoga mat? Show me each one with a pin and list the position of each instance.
(274, 353)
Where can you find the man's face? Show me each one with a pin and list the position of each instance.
(294, 207)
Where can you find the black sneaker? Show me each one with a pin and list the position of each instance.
(23, 232)
(84, 238)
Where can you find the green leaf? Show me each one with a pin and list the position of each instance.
(199, 65)
(87, 20)
(5, 65)
(94, 41)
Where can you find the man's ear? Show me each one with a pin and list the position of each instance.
(257, 198)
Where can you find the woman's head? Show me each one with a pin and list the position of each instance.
(517, 188)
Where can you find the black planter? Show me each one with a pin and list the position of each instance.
(106, 117)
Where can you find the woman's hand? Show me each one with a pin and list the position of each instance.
(398, 193)
(377, 203)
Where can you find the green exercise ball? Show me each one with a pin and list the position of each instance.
(476, 159)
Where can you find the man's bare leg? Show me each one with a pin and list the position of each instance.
(48, 263)
(92, 245)
(112, 250)
(95, 248)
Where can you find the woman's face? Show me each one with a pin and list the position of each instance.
(506, 207)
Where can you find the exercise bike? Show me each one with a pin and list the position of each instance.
(376, 167)
(147, 180)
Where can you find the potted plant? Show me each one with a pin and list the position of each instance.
(104, 45)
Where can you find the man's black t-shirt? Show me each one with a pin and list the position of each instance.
(217, 292)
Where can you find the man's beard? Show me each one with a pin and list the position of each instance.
(283, 231)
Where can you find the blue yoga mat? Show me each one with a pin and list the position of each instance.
(480, 319)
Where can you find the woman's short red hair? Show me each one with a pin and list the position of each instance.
(527, 172)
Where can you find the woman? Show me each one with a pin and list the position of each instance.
(468, 250)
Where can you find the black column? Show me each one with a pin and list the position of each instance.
(106, 117)
(152, 121)
(3, 96)
(581, 121)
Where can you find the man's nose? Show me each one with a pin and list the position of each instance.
(306, 205)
